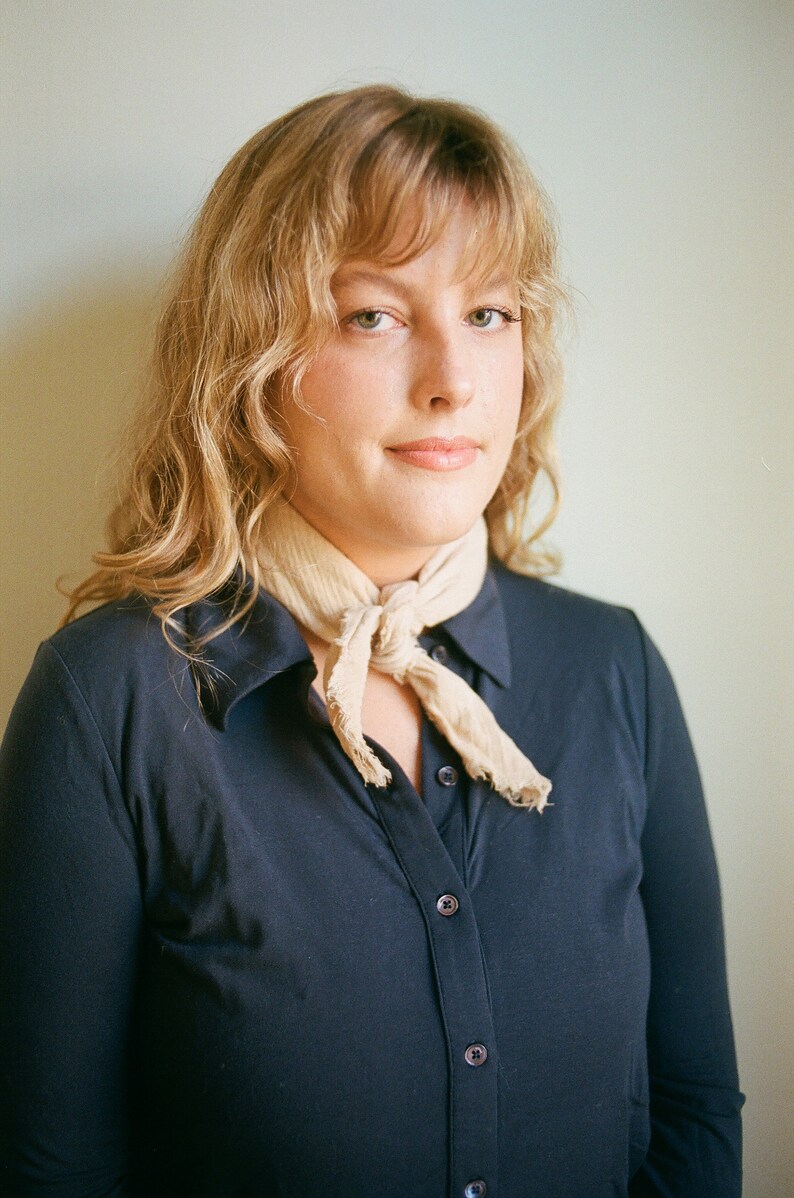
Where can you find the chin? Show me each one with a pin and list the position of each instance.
(443, 508)
(439, 528)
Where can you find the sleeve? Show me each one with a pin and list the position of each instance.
(695, 1102)
(70, 917)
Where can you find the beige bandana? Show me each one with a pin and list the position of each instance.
(366, 626)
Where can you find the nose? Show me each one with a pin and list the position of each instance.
(444, 374)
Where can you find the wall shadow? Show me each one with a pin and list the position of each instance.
(70, 372)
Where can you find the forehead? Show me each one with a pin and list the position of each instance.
(459, 250)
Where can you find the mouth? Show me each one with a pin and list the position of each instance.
(437, 453)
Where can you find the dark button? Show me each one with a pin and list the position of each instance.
(475, 1189)
(447, 775)
(439, 654)
(447, 904)
(476, 1054)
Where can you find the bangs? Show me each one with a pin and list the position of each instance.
(412, 178)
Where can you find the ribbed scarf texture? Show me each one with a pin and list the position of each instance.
(367, 626)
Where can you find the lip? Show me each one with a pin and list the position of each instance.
(437, 453)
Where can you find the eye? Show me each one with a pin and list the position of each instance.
(371, 320)
(491, 318)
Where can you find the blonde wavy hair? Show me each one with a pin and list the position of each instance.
(250, 304)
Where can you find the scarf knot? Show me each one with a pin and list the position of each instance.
(394, 644)
(365, 626)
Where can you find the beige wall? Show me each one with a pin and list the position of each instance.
(661, 132)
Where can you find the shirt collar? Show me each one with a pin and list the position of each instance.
(266, 642)
(480, 631)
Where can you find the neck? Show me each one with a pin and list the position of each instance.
(385, 569)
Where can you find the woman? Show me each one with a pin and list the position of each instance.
(281, 913)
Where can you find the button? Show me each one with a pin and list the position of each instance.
(475, 1189)
(447, 775)
(476, 1054)
(447, 904)
(439, 654)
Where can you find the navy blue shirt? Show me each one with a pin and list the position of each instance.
(232, 968)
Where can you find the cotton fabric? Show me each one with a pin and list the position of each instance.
(225, 969)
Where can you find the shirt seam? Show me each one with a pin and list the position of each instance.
(95, 726)
(646, 695)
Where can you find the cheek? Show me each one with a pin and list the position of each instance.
(516, 397)
(505, 367)
(347, 391)
(505, 400)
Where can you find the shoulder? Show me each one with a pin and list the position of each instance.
(123, 624)
(114, 638)
(565, 623)
(114, 656)
(132, 672)
(585, 646)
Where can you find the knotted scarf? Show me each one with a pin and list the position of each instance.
(367, 626)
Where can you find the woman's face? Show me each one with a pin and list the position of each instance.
(413, 407)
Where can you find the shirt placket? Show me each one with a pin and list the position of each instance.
(456, 950)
